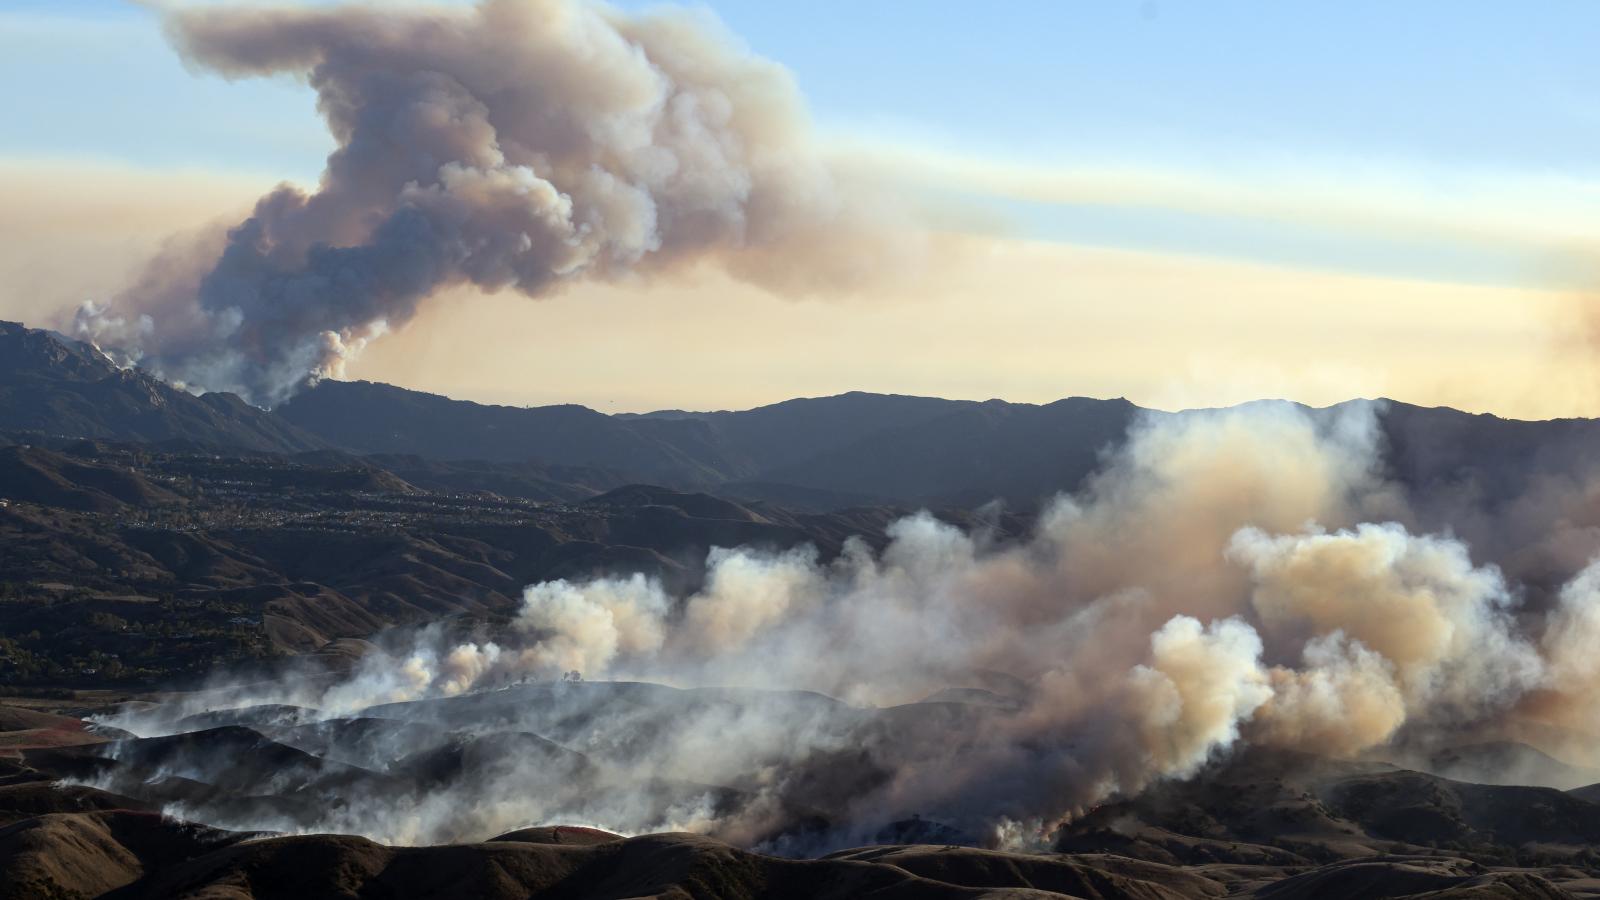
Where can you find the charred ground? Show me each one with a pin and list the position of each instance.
(1260, 824)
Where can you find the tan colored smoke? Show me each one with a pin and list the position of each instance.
(1200, 683)
(517, 144)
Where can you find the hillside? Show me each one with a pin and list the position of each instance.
(1262, 825)
(380, 418)
(51, 385)
(142, 562)
(853, 448)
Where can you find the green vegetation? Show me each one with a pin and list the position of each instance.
(78, 637)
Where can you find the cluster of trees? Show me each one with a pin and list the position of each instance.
(19, 663)
(80, 642)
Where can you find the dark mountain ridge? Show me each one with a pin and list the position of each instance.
(859, 447)
(53, 385)
(380, 418)
(816, 454)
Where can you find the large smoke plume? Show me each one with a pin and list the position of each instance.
(521, 144)
(1235, 576)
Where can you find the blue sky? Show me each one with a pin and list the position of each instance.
(1443, 98)
(1221, 83)
(1471, 83)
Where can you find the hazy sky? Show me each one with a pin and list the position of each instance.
(1183, 203)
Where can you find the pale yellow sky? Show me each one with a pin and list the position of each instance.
(1003, 317)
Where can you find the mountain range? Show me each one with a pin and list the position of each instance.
(813, 453)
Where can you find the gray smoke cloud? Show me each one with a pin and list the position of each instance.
(518, 144)
(1220, 582)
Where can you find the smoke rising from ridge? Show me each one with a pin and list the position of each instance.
(520, 144)
(1220, 581)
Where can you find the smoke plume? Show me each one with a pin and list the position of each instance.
(1219, 582)
(520, 144)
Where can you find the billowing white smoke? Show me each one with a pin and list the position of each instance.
(519, 144)
(1569, 696)
(1200, 683)
(1216, 582)
(586, 628)
(1386, 616)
